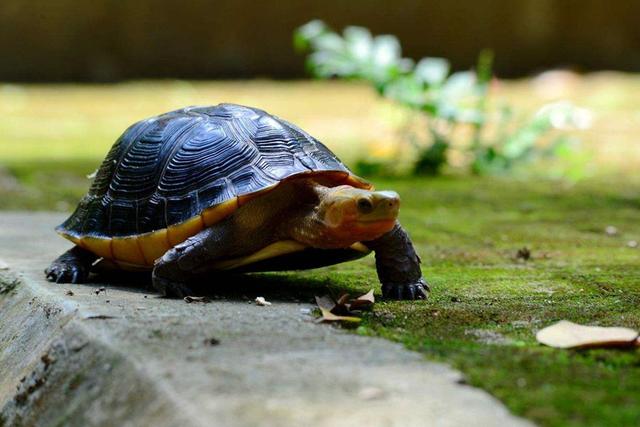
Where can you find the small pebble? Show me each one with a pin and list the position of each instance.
(262, 302)
(371, 393)
(610, 230)
(305, 310)
(632, 243)
(69, 293)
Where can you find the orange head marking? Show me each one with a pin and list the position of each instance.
(352, 215)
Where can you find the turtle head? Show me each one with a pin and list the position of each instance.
(352, 214)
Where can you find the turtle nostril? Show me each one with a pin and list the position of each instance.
(364, 205)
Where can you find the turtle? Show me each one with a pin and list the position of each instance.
(231, 189)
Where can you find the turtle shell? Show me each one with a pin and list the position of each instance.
(169, 176)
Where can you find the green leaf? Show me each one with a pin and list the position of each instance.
(446, 100)
(386, 51)
(303, 36)
(432, 71)
(330, 42)
(459, 85)
(406, 90)
(484, 68)
(359, 43)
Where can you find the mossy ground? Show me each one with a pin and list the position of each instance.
(486, 303)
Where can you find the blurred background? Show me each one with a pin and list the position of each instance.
(111, 40)
(74, 75)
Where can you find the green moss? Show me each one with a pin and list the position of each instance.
(8, 284)
(486, 304)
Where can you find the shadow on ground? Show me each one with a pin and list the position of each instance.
(285, 287)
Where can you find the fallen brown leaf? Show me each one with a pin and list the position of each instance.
(325, 302)
(326, 305)
(343, 299)
(363, 302)
(344, 308)
(565, 334)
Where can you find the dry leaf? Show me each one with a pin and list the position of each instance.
(565, 334)
(343, 309)
(343, 299)
(326, 305)
(325, 302)
(363, 302)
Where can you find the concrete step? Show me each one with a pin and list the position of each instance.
(124, 356)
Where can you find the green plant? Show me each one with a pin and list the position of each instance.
(446, 100)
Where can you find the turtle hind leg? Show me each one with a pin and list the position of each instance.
(72, 266)
(398, 266)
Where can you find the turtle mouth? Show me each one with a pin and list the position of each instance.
(374, 221)
(358, 230)
(372, 228)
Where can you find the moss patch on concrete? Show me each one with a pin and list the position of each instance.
(8, 284)
(487, 303)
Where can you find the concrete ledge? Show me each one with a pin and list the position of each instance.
(120, 357)
(55, 371)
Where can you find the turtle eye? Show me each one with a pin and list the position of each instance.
(364, 205)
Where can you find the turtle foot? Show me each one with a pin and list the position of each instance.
(66, 271)
(408, 291)
(72, 266)
(170, 288)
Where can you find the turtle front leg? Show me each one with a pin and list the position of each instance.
(180, 263)
(398, 266)
(72, 266)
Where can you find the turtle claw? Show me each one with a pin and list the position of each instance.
(66, 272)
(72, 266)
(409, 291)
